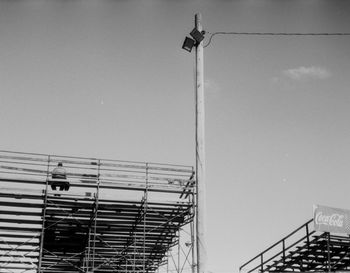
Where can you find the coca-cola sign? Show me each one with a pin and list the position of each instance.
(333, 220)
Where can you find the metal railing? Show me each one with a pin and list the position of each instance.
(84, 171)
(263, 261)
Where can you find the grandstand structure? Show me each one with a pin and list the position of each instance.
(304, 250)
(115, 216)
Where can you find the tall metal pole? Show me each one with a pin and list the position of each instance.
(200, 155)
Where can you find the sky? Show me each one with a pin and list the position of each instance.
(108, 79)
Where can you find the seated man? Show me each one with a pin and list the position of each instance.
(59, 174)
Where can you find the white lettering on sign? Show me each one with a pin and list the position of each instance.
(335, 220)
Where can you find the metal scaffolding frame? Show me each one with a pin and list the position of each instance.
(304, 250)
(118, 216)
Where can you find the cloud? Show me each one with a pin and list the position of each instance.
(312, 72)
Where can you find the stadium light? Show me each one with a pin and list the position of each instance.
(188, 44)
(197, 35)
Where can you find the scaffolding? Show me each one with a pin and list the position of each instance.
(117, 216)
(304, 250)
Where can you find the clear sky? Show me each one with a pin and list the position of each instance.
(109, 79)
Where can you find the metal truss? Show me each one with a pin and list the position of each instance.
(118, 216)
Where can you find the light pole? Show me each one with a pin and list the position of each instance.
(198, 35)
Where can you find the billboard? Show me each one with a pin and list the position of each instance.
(332, 220)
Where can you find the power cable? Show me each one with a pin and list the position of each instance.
(276, 34)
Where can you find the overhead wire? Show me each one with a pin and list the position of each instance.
(275, 34)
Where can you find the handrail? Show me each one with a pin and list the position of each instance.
(92, 158)
(19, 165)
(282, 241)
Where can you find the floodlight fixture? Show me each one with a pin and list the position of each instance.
(197, 35)
(188, 44)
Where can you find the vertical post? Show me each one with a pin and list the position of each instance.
(307, 236)
(178, 253)
(44, 216)
(97, 196)
(200, 155)
(192, 239)
(328, 252)
(145, 204)
(284, 250)
(86, 261)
